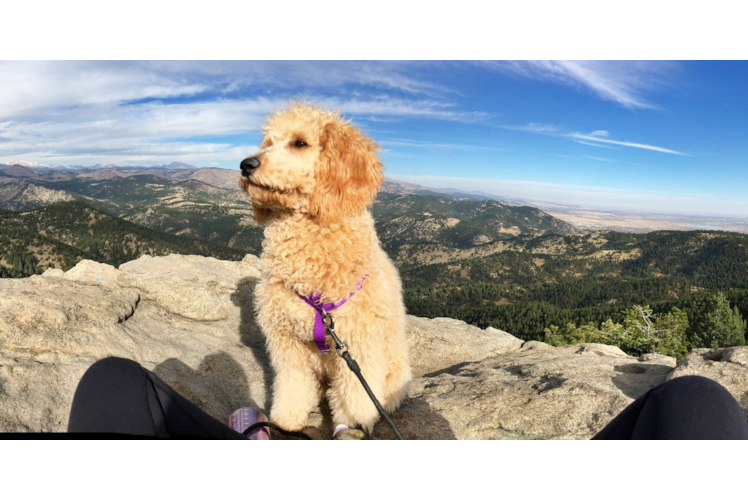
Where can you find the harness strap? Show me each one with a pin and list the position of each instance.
(320, 310)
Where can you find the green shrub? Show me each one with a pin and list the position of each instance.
(640, 332)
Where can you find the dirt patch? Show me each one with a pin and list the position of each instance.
(189, 204)
(171, 199)
(634, 254)
(514, 230)
(598, 240)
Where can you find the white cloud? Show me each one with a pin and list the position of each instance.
(624, 82)
(26, 86)
(590, 144)
(599, 159)
(596, 136)
(434, 145)
(73, 111)
(127, 111)
(624, 143)
(533, 127)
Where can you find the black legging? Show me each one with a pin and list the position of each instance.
(119, 396)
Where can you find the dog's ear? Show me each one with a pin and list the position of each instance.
(348, 175)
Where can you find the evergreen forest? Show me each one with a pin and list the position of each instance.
(61, 234)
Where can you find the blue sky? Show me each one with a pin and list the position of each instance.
(668, 137)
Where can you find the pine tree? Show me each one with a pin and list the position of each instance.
(713, 323)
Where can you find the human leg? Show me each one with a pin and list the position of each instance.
(118, 395)
(689, 407)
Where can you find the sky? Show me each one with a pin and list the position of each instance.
(644, 136)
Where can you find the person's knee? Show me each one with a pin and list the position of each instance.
(694, 393)
(111, 368)
(693, 385)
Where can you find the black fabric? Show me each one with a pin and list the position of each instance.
(689, 407)
(119, 396)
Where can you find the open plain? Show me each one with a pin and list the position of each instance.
(592, 219)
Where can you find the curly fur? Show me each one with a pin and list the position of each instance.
(319, 237)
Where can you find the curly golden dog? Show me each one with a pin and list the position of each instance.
(311, 184)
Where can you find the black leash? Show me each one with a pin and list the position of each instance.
(343, 351)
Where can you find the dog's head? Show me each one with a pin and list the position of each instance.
(313, 161)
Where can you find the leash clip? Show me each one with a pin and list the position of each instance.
(330, 328)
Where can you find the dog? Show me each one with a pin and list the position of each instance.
(310, 184)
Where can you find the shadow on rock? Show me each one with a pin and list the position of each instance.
(635, 379)
(251, 335)
(416, 420)
(319, 422)
(451, 370)
(218, 386)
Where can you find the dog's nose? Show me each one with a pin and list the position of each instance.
(248, 165)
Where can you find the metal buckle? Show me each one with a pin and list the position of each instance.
(329, 322)
(329, 326)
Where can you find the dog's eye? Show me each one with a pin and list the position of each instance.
(299, 144)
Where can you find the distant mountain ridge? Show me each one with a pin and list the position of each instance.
(228, 179)
(173, 166)
(19, 171)
(39, 166)
(218, 177)
(395, 186)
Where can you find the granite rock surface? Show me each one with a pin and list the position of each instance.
(190, 320)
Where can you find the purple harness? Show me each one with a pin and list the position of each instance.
(322, 309)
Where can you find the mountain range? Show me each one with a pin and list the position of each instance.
(40, 166)
(413, 221)
(218, 177)
(460, 255)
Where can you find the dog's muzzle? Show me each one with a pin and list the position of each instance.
(248, 165)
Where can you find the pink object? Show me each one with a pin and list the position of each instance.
(242, 418)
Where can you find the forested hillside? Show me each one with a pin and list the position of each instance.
(710, 258)
(61, 234)
(554, 280)
(422, 228)
(407, 222)
(183, 207)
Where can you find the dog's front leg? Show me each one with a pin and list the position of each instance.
(296, 387)
(349, 402)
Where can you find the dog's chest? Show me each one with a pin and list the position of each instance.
(283, 311)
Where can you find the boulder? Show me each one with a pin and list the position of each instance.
(190, 320)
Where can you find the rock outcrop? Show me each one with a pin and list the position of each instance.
(190, 320)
